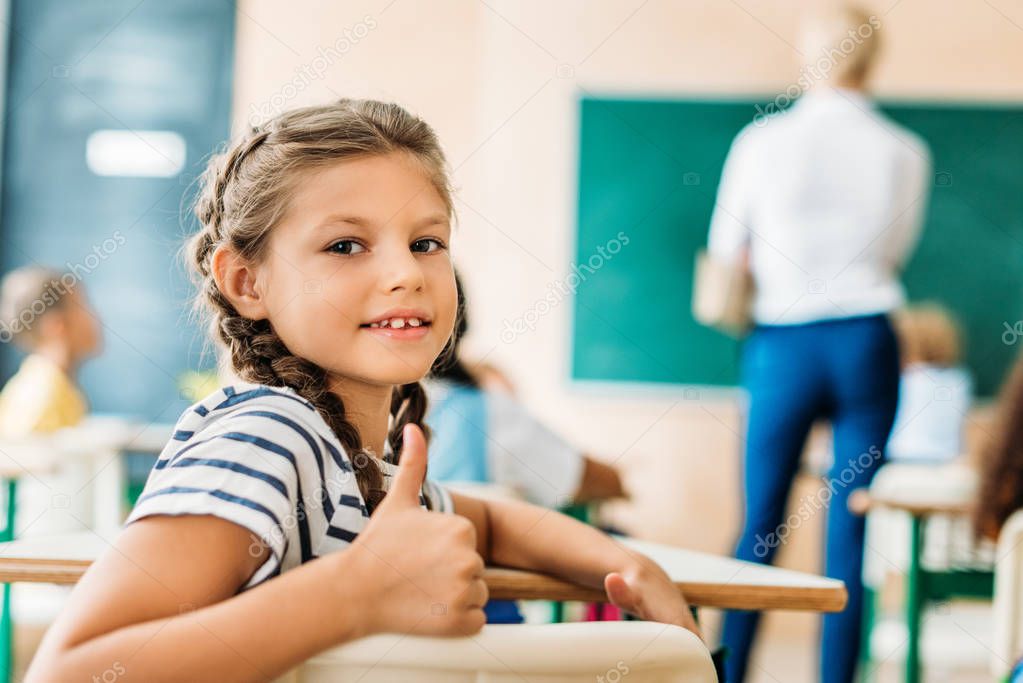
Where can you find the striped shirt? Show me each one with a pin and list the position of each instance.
(263, 458)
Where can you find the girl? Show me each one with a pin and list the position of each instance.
(323, 263)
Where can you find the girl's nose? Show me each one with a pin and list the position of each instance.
(402, 271)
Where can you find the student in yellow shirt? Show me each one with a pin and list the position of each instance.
(46, 313)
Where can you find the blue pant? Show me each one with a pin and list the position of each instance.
(847, 371)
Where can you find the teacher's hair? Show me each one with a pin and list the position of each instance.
(839, 44)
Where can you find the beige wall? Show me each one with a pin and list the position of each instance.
(499, 82)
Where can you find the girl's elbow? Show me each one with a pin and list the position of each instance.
(48, 671)
(53, 664)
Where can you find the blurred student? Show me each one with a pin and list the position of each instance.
(825, 202)
(482, 434)
(935, 390)
(47, 315)
(486, 436)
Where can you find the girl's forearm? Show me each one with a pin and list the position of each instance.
(599, 481)
(537, 539)
(254, 636)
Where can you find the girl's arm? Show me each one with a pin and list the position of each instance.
(161, 606)
(162, 603)
(525, 536)
(599, 481)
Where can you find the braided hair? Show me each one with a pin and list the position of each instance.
(449, 365)
(244, 193)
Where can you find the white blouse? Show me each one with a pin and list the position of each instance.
(829, 196)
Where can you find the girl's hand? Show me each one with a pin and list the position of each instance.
(419, 570)
(645, 591)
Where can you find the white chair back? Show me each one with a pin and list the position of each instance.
(1007, 645)
(611, 651)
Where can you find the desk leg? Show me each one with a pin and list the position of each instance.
(914, 601)
(6, 627)
(557, 612)
(866, 659)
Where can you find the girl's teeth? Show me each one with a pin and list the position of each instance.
(398, 323)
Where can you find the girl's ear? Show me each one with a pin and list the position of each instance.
(236, 280)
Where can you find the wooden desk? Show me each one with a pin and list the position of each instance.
(706, 580)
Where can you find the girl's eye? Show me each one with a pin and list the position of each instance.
(346, 247)
(427, 245)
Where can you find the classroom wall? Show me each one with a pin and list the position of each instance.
(499, 80)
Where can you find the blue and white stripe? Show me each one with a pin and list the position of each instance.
(263, 458)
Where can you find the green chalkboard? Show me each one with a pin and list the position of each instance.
(649, 169)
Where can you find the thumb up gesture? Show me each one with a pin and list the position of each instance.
(421, 571)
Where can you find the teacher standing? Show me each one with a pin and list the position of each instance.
(825, 203)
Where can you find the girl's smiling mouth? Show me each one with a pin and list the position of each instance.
(405, 323)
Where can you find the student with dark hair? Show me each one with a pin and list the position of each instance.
(480, 435)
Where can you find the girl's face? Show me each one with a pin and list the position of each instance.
(357, 277)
